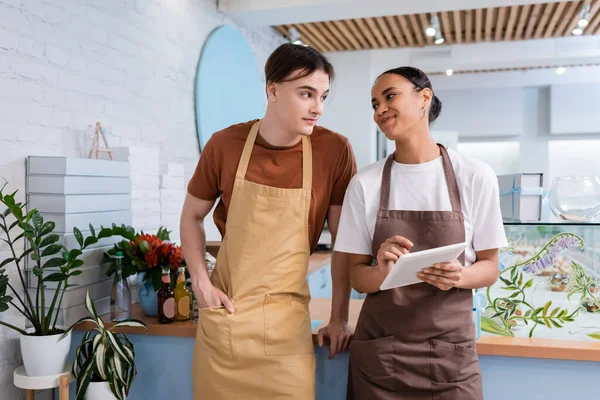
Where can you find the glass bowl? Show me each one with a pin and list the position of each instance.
(575, 198)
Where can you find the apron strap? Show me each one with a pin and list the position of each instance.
(247, 152)
(307, 169)
(386, 177)
(306, 158)
(450, 180)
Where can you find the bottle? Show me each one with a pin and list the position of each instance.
(120, 296)
(166, 300)
(183, 298)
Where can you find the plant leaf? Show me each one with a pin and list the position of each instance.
(491, 326)
(26, 227)
(594, 335)
(37, 271)
(84, 319)
(90, 240)
(100, 359)
(49, 240)
(52, 250)
(116, 345)
(546, 307)
(114, 382)
(56, 277)
(78, 236)
(93, 232)
(54, 262)
(130, 322)
(73, 254)
(528, 284)
(7, 261)
(47, 228)
(37, 220)
(75, 273)
(104, 233)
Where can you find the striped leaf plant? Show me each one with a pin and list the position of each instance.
(104, 355)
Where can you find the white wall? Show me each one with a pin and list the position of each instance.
(348, 108)
(130, 64)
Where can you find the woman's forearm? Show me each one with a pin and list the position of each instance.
(483, 273)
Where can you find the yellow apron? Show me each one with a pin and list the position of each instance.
(264, 350)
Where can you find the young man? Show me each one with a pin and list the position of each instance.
(277, 179)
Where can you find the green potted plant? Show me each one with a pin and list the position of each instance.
(52, 262)
(104, 364)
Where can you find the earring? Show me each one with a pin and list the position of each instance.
(424, 111)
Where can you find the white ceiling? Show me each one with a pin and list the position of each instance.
(255, 13)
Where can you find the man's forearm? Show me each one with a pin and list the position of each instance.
(340, 276)
(193, 245)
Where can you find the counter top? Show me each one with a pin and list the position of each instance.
(578, 350)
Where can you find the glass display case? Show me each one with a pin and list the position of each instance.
(549, 283)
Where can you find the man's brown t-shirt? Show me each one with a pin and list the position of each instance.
(333, 167)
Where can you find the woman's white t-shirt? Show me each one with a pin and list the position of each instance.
(422, 187)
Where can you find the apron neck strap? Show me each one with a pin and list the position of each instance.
(450, 180)
(247, 152)
(384, 199)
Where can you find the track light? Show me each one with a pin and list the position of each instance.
(449, 72)
(434, 30)
(560, 70)
(577, 31)
(584, 17)
(295, 36)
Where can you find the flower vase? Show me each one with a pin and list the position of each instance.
(147, 295)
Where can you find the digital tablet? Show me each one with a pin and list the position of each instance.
(405, 271)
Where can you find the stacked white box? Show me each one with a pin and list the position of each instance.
(74, 193)
(172, 195)
(145, 195)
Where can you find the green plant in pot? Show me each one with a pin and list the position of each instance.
(51, 262)
(104, 364)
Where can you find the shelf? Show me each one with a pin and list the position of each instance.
(550, 223)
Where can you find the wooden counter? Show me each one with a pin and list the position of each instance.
(558, 349)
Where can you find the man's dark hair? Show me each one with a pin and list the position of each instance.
(290, 57)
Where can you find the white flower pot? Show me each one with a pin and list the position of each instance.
(45, 355)
(99, 391)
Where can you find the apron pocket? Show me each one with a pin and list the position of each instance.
(215, 327)
(470, 389)
(452, 363)
(287, 326)
(373, 360)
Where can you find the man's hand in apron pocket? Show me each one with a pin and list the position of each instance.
(443, 276)
(209, 296)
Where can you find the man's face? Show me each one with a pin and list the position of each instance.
(298, 103)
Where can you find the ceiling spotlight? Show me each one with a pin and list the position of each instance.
(449, 72)
(434, 28)
(584, 16)
(560, 70)
(438, 38)
(577, 31)
(583, 23)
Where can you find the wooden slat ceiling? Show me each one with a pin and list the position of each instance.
(535, 21)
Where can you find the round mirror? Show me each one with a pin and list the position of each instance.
(229, 89)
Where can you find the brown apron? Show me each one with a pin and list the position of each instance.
(264, 350)
(416, 342)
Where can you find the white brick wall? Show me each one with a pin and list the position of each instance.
(131, 64)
